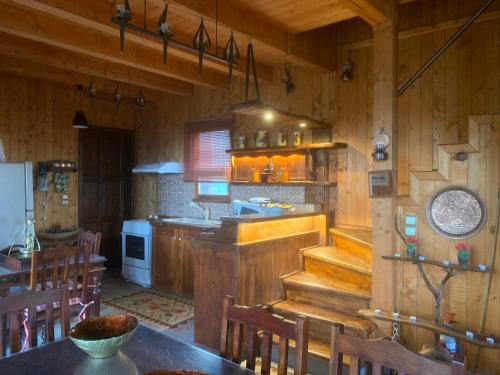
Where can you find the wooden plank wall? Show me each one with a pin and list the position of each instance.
(35, 125)
(464, 81)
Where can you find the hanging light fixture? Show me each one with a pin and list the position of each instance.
(80, 121)
(201, 42)
(231, 55)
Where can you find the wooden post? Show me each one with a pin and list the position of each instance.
(385, 55)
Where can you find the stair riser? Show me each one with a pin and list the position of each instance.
(354, 247)
(337, 272)
(329, 300)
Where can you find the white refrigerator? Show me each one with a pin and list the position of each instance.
(16, 203)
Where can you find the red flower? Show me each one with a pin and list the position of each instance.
(411, 240)
(461, 247)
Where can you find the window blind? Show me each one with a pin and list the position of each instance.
(205, 145)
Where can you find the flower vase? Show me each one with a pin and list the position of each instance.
(411, 250)
(463, 258)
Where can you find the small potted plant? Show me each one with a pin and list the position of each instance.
(411, 246)
(463, 254)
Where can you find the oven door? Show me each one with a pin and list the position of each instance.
(136, 250)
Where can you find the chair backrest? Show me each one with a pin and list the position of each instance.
(256, 319)
(62, 265)
(383, 353)
(91, 239)
(16, 308)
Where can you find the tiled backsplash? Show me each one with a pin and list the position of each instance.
(174, 196)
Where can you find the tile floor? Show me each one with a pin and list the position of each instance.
(114, 286)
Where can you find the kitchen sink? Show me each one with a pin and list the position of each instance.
(191, 221)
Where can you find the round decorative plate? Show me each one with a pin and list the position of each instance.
(456, 212)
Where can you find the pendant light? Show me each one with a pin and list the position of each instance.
(80, 121)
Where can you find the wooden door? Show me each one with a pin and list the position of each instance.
(104, 199)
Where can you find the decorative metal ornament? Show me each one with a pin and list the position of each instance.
(165, 31)
(123, 15)
(347, 70)
(287, 80)
(201, 42)
(232, 55)
(117, 97)
(456, 212)
(140, 101)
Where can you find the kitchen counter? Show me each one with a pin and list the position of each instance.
(246, 258)
(187, 223)
(255, 218)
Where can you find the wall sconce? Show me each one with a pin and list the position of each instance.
(347, 70)
(380, 142)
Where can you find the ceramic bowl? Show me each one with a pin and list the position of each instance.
(175, 372)
(103, 336)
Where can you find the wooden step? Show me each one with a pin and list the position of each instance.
(342, 264)
(356, 239)
(309, 288)
(322, 320)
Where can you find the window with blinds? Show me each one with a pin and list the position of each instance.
(205, 145)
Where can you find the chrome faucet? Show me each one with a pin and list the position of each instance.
(205, 211)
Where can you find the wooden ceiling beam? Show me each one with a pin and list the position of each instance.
(248, 26)
(60, 58)
(76, 38)
(373, 12)
(96, 15)
(31, 69)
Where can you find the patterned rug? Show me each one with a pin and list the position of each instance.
(154, 307)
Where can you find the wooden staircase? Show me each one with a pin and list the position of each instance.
(334, 284)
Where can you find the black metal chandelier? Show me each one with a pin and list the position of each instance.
(164, 32)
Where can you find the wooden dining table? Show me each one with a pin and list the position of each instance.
(147, 350)
(22, 277)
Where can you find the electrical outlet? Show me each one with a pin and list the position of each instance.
(65, 202)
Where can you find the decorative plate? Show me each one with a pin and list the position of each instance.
(456, 212)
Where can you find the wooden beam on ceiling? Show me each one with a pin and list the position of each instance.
(96, 15)
(73, 37)
(63, 59)
(26, 68)
(372, 11)
(247, 25)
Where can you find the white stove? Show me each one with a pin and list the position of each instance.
(137, 251)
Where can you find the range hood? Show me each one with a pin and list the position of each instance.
(161, 168)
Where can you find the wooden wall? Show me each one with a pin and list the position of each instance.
(35, 125)
(462, 82)
(159, 135)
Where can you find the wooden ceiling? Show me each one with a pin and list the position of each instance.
(78, 39)
(295, 16)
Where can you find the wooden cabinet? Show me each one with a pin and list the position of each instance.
(173, 259)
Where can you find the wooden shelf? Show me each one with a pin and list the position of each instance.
(258, 108)
(452, 266)
(457, 332)
(287, 149)
(292, 183)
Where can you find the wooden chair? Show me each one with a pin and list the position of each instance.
(64, 265)
(383, 353)
(21, 309)
(235, 317)
(91, 239)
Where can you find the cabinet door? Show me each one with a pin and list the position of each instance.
(167, 265)
(187, 256)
